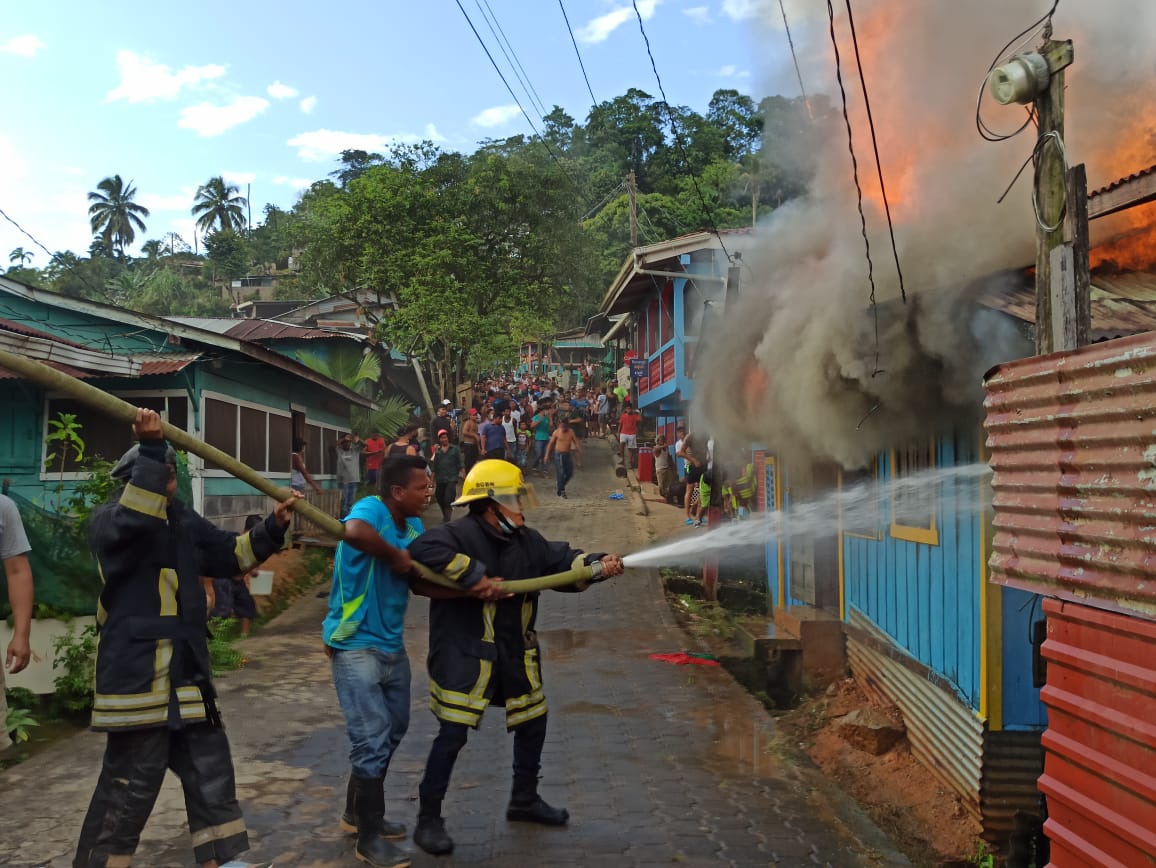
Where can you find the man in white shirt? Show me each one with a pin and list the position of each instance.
(511, 435)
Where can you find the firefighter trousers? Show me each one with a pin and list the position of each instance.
(130, 780)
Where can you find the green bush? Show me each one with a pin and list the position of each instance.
(18, 723)
(75, 654)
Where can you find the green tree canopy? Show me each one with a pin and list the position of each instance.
(219, 205)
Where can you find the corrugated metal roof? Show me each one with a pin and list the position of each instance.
(1135, 176)
(1072, 438)
(78, 373)
(271, 330)
(166, 363)
(1101, 742)
(1122, 303)
(22, 329)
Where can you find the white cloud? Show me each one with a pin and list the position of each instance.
(239, 178)
(25, 45)
(497, 116)
(732, 71)
(142, 79)
(206, 119)
(181, 201)
(598, 29)
(277, 90)
(320, 145)
(295, 183)
(698, 14)
(742, 10)
(308, 104)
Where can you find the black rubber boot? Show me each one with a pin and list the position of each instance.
(430, 833)
(348, 822)
(371, 847)
(526, 806)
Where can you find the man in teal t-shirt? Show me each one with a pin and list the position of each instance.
(541, 425)
(363, 634)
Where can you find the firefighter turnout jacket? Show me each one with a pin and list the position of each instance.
(483, 653)
(152, 664)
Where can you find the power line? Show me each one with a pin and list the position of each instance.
(855, 177)
(522, 109)
(605, 199)
(54, 257)
(707, 211)
(794, 57)
(515, 64)
(875, 148)
(574, 42)
(1044, 23)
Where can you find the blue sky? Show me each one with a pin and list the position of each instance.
(268, 94)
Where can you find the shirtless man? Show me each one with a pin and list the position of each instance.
(469, 438)
(564, 444)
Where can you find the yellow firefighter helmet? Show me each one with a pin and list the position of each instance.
(498, 480)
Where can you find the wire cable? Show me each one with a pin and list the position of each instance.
(986, 132)
(605, 199)
(53, 257)
(875, 148)
(855, 177)
(581, 65)
(529, 120)
(794, 57)
(515, 64)
(707, 211)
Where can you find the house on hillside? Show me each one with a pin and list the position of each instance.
(234, 393)
(565, 356)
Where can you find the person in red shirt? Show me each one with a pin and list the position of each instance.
(628, 435)
(374, 453)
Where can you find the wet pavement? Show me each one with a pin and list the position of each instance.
(658, 764)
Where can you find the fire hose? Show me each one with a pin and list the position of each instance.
(50, 379)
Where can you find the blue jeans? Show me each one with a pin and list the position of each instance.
(540, 452)
(348, 495)
(373, 689)
(564, 469)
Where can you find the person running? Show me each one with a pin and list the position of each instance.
(363, 636)
(565, 445)
(483, 648)
(154, 689)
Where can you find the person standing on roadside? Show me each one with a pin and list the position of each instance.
(443, 421)
(374, 453)
(406, 443)
(299, 473)
(695, 456)
(565, 445)
(470, 439)
(447, 465)
(541, 426)
(510, 427)
(363, 636)
(348, 469)
(14, 550)
(663, 471)
(154, 689)
(628, 436)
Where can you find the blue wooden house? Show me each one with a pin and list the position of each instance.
(665, 297)
(235, 394)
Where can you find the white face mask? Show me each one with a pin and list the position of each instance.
(505, 525)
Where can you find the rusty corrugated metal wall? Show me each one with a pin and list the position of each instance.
(1072, 439)
(1100, 767)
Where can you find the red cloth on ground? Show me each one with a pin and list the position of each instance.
(682, 658)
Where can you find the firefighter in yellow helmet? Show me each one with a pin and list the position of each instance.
(483, 649)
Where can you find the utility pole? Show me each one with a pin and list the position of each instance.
(1059, 196)
(1050, 199)
(632, 193)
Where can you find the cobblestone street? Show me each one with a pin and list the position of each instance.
(658, 764)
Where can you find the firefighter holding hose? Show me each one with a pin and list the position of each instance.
(483, 649)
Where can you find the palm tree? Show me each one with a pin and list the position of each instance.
(114, 215)
(20, 257)
(221, 205)
(153, 248)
